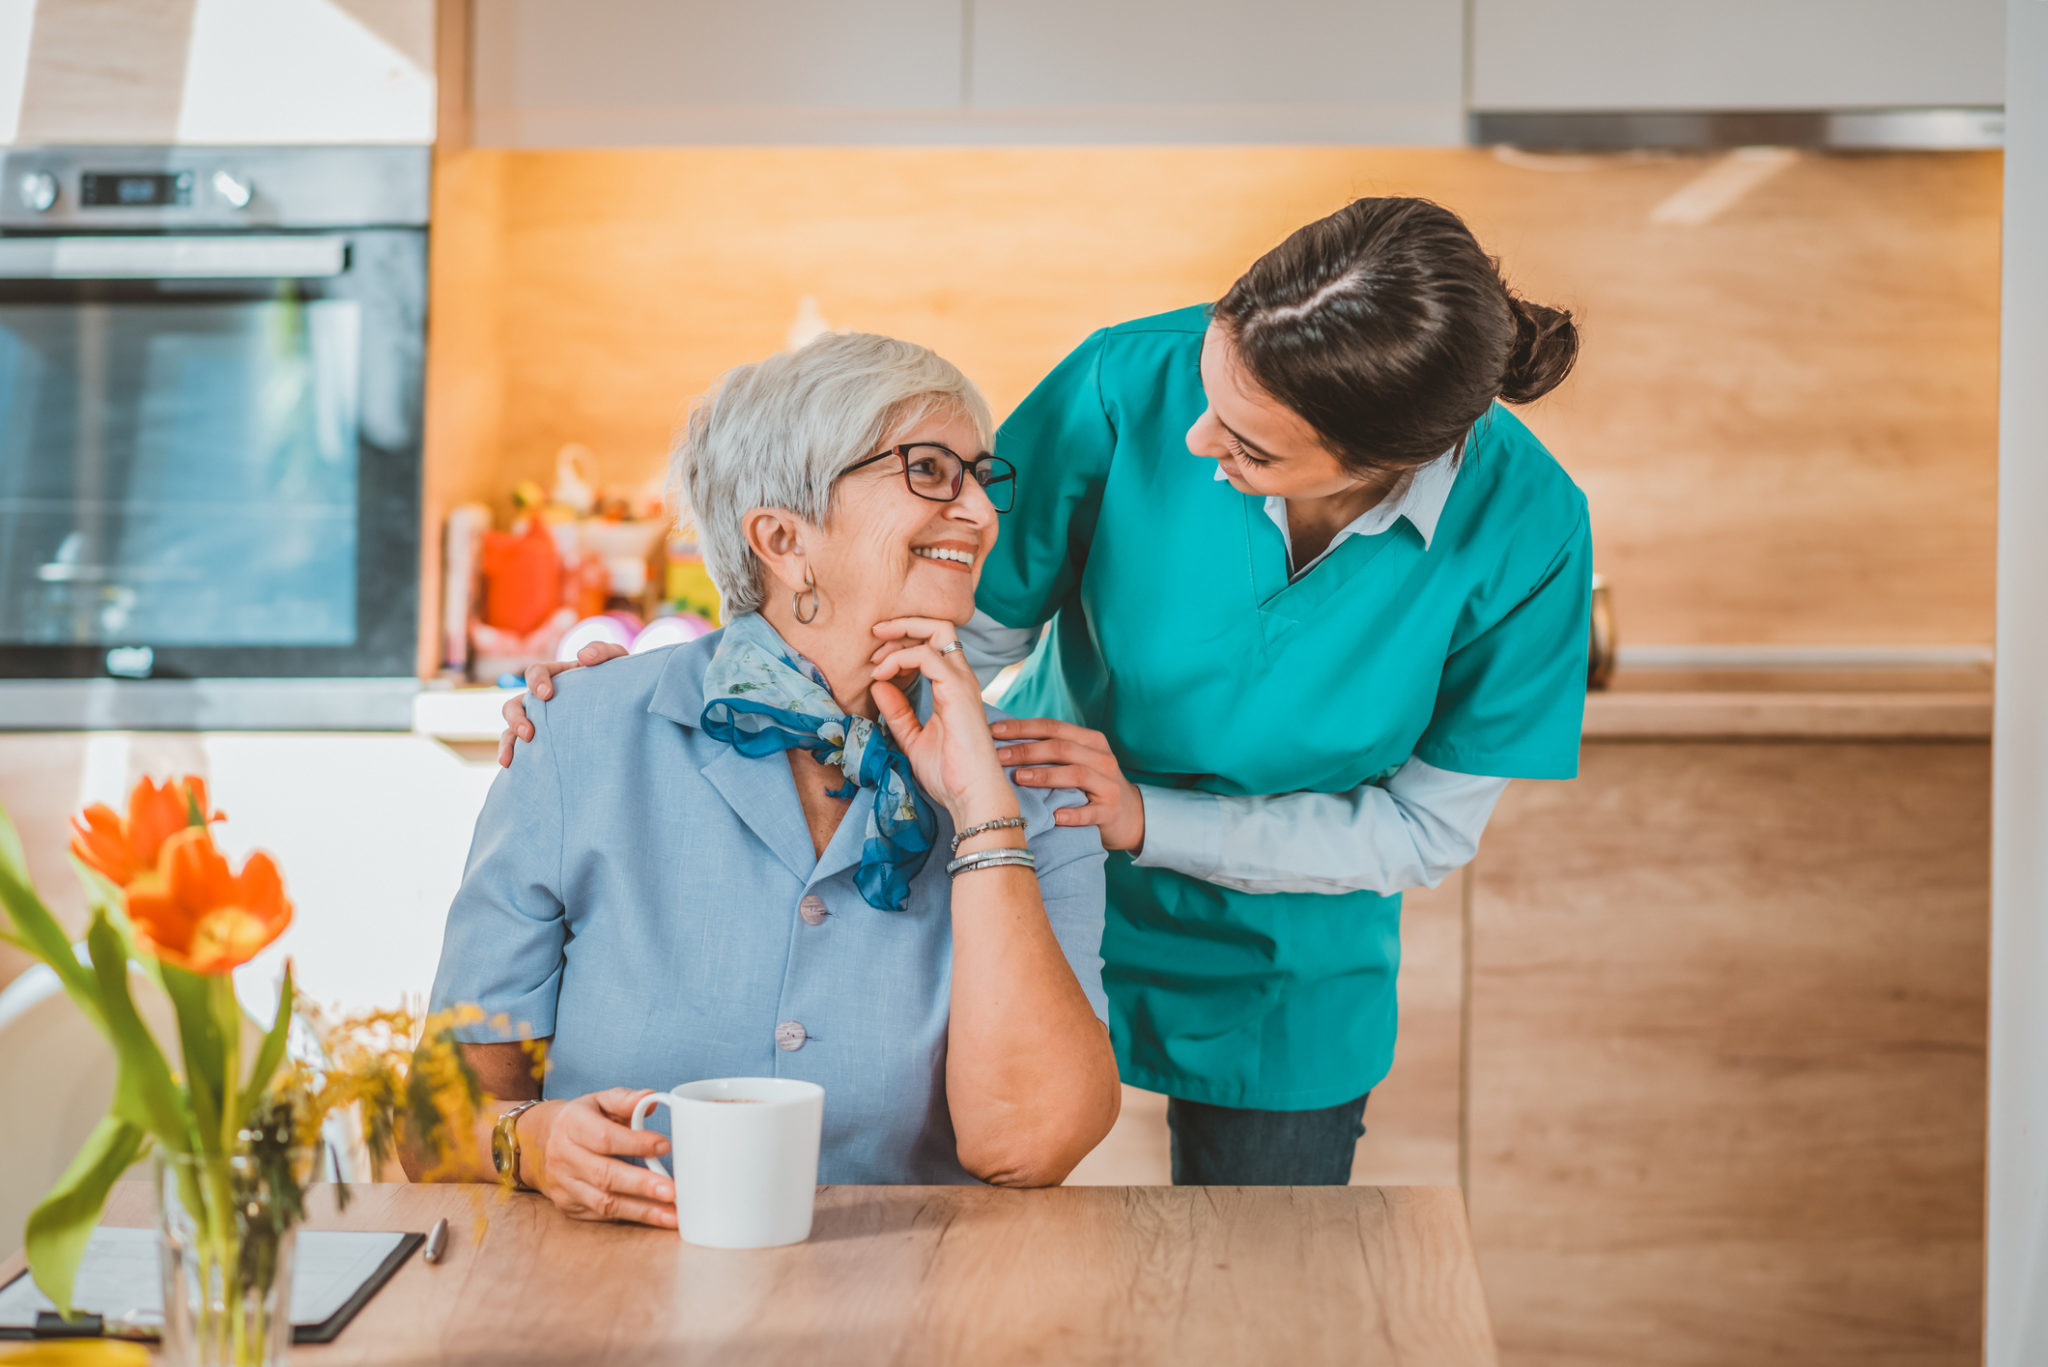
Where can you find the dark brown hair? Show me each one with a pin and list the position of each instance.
(1391, 333)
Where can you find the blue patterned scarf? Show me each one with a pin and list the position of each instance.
(763, 698)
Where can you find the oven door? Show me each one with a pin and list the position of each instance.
(209, 473)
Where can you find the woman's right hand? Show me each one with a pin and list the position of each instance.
(571, 1152)
(951, 752)
(540, 683)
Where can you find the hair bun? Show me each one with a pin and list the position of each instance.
(1546, 346)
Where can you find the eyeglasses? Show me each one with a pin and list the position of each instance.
(935, 472)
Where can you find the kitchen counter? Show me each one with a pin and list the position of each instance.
(1820, 705)
(470, 713)
(1640, 705)
(1725, 1026)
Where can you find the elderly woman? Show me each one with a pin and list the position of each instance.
(788, 849)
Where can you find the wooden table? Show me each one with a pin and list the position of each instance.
(1179, 1276)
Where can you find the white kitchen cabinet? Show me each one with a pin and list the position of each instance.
(217, 71)
(1353, 71)
(1736, 54)
(626, 72)
(369, 829)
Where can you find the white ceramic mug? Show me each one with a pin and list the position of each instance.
(745, 1151)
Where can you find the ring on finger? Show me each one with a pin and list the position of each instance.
(949, 649)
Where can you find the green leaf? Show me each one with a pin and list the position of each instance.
(272, 1052)
(202, 1045)
(59, 1227)
(104, 894)
(37, 931)
(144, 1093)
(227, 1019)
(11, 854)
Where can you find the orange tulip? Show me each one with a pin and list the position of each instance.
(199, 914)
(125, 850)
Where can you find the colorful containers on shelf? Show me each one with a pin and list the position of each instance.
(672, 630)
(623, 629)
(686, 585)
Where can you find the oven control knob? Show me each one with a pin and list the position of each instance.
(233, 187)
(38, 190)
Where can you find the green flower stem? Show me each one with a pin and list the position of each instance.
(229, 1017)
(229, 1248)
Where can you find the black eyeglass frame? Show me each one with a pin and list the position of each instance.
(1001, 472)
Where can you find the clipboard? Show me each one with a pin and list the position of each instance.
(137, 1245)
(325, 1330)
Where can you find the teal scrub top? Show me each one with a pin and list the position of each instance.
(1177, 634)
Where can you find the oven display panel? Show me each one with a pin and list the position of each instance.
(135, 189)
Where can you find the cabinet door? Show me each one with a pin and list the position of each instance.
(612, 72)
(217, 71)
(1726, 1071)
(1357, 71)
(1736, 54)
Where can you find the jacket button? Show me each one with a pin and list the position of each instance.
(790, 1036)
(812, 909)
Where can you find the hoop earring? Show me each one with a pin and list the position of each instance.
(796, 602)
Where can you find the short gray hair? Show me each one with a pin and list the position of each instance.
(777, 434)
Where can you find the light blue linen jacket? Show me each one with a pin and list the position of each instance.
(648, 897)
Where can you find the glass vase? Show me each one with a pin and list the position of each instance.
(226, 1228)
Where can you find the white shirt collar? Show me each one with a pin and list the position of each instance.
(1420, 499)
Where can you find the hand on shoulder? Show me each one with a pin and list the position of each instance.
(540, 683)
(1061, 755)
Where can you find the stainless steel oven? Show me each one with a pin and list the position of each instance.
(211, 366)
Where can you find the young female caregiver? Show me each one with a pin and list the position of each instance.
(1295, 675)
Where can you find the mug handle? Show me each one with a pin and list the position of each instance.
(643, 1108)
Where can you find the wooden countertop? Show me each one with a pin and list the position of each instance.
(1178, 1276)
(1836, 705)
(1788, 716)
(1700, 709)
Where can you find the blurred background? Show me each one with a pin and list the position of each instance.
(342, 343)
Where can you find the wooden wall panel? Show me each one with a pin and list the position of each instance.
(466, 373)
(1784, 415)
(1727, 1055)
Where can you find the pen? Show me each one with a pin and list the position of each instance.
(437, 1241)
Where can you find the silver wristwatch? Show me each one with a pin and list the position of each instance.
(505, 1145)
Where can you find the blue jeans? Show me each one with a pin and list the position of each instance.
(1222, 1146)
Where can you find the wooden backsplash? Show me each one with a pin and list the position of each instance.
(1785, 414)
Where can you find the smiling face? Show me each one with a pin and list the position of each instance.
(885, 552)
(1262, 446)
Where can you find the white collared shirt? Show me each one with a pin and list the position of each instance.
(1420, 498)
(1414, 830)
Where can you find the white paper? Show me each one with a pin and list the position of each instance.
(119, 1278)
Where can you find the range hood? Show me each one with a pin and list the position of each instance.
(1957, 128)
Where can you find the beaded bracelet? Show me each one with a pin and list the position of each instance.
(984, 828)
(991, 859)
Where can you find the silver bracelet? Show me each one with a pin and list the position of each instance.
(992, 859)
(984, 828)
